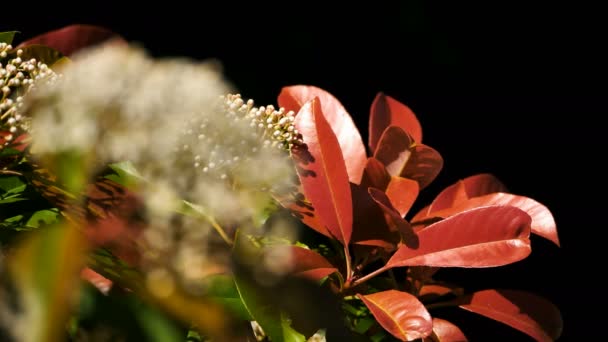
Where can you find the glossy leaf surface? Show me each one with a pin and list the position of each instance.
(342, 124)
(543, 223)
(385, 112)
(323, 173)
(520, 310)
(484, 237)
(400, 313)
(70, 39)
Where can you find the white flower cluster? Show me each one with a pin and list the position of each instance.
(170, 119)
(17, 77)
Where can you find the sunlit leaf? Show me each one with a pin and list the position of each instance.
(543, 223)
(394, 219)
(323, 173)
(402, 193)
(403, 157)
(7, 36)
(342, 124)
(400, 313)
(484, 237)
(375, 175)
(302, 209)
(305, 262)
(423, 165)
(70, 39)
(394, 150)
(523, 311)
(385, 112)
(444, 331)
(473, 186)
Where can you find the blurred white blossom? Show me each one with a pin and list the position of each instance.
(172, 120)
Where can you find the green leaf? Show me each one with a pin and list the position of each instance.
(274, 324)
(125, 174)
(7, 36)
(11, 189)
(31, 220)
(222, 289)
(155, 325)
(11, 185)
(363, 325)
(42, 217)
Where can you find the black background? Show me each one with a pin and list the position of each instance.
(514, 90)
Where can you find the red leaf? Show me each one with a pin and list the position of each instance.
(444, 331)
(353, 150)
(323, 175)
(375, 175)
(473, 186)
(386, 112)
(435, 291)
(423, 166)
(395, 221)
(394, 150)
(70, 39)
(102, 283)
(402, 193)
(543, 223)
(400, 313)
(370, 225)
(520, 310)
(402, 157)
(302, 209)
(483, 237)
(307, 263)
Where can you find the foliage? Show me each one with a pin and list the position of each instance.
(364, 267)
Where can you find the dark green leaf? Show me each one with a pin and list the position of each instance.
(268, 317)
(11, 185)
(221, 288)
(7, 36)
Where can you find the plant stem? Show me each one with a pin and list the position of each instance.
(349, 272)
(392, 275)
(219, 230)
(369, 276)
(10, 172)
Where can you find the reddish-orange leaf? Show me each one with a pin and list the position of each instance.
(70, 39)
(523, 311)
(483, 237)
(543, 223)
(430, 292)
(402, 193)
(375, 175)
(371, 226)
(306, 263)
(342, 124)
(444, 331)
(394, 220)
(423, 166)
(400, 313)
(323, 173)
(473, 186)
(385, 112)
(302, 209)
(394, 150)
(102, 283)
